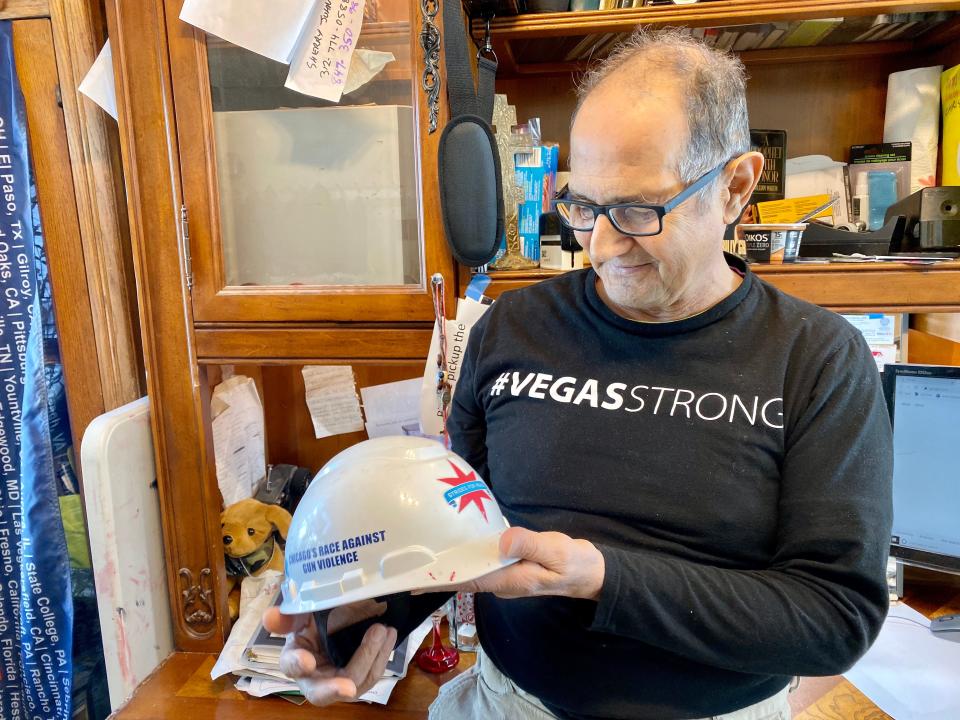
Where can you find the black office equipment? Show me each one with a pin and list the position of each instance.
(284, 486)
(924, 404)
(823, 241)
(933, 219)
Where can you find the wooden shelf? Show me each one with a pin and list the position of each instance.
(892, 287)
(717, 14)
(527, 44)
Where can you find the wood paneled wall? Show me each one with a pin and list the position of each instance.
(825, 105)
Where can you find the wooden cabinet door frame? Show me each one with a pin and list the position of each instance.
(213, 299)
(189, 499)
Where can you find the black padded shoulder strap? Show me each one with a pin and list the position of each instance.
(464, 98)
(471, 193)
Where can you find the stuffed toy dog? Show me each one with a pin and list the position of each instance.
(250, 529)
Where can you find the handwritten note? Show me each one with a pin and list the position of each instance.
(238, 438)
(266, 28)
(322, 58)
(332, 399)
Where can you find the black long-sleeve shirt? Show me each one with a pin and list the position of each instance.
(734, 468)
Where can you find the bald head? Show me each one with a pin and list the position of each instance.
(627, 141)
(707, 88)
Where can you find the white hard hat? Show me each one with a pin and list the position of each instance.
(385, 516)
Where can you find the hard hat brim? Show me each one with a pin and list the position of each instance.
(453, 567)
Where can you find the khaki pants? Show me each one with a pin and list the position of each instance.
(485, 693)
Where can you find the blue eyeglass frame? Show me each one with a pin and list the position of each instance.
(660, 210)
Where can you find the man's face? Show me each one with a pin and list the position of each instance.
(625, 147)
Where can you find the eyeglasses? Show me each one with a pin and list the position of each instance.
(637, 219)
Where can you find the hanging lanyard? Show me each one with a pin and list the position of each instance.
(443, 383)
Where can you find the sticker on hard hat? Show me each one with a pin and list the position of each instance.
(334, 554)
(468, 488)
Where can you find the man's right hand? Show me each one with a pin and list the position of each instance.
(303, 659)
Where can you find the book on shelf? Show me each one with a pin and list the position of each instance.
(810, 32)
(671, 2)
(751, 36)
(710, 36)
(925, 21)
(902, 23)
(950, 103)
(777, 32)
(583, 49)
(851, 30)
(772, 144)
(727, 39)
(768, 36)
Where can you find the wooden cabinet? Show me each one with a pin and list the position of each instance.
(299, 209)
(213, 148)
(207, 299)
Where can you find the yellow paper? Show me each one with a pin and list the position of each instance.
(789, 211)
(950, 152)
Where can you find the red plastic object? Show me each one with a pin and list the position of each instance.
(437, 658)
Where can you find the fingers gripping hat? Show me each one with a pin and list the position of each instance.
(385, 516)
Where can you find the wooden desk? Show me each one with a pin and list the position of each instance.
(181, 689)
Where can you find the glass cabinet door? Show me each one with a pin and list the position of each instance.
(301, 208)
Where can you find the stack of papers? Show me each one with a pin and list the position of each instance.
(910, 672)
(252, 653)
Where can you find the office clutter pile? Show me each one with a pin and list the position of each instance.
(252, 654)
(881, 205)
(528, 175)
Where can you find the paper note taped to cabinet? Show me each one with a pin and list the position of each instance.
(392, 408)
(238, 438)
(322, 58)
(270, 28)
(332, 399)
(98, 84)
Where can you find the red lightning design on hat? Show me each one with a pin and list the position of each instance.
(476, 497)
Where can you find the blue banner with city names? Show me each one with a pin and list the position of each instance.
(36, 612)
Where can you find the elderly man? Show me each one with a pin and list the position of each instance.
(697, 467)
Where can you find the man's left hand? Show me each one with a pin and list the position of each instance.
(551, 563)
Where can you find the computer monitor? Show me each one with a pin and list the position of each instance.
(924, 404)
